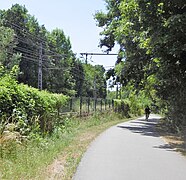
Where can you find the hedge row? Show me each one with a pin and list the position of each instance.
(126, 108)
(20, 103)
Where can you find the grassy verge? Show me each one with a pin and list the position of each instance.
(175, 140)
(57, 156)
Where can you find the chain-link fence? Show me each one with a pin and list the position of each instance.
(85, 106)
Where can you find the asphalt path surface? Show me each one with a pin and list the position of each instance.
(131, 151)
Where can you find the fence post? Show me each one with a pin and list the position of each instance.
(95, 102)
(112, 104)
(71, 104)
(101, 105)
(105, 104)
(81, 100)
(88, 102)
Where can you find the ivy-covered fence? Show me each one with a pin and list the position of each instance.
(27, 108)
(83, 106)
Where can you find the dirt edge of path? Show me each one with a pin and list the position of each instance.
(176, 140)
(64, 166)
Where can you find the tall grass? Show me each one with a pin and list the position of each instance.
(27, 160)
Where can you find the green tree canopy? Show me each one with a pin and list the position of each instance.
(152, 40)
(24, 41)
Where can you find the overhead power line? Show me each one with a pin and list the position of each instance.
(96, 54)
(42, 53)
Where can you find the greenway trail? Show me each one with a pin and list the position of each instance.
(131, 151)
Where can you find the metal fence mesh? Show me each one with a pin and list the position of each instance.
(84, 105)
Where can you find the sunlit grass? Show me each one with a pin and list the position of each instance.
(31, 159)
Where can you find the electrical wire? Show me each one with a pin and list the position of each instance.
(33, 41)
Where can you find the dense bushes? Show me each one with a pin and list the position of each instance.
(122, 107)
(126, 108)
(151, 36)
(133, 102)
(27, 107)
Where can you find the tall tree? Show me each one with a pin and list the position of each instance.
(25, 28)
(151, 35)
(7, 58)
(21, 33)
(95, 82)
(61, 55)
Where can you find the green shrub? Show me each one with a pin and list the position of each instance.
(128, 108)
(122, 107)
(23, 105)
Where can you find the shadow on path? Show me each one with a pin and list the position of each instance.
(166, 147)
(146, 128)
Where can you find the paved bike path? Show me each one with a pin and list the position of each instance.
(131, 151)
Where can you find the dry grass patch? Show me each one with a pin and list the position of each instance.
(176, 140)
(64, 166)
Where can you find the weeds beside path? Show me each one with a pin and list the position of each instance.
(64, 166)
(59, 157)
(55, 156)
(176, 140)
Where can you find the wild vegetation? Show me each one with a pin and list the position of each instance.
(151, 36)
(150, 70)
(24, 42)
(29, 117)
(32, 159)
(25, 108)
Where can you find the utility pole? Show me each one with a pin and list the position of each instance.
(95, 94)
(86, 59)
(120, 90)
(40, 74)
(117, 91)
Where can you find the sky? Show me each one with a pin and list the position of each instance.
(75, 18)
